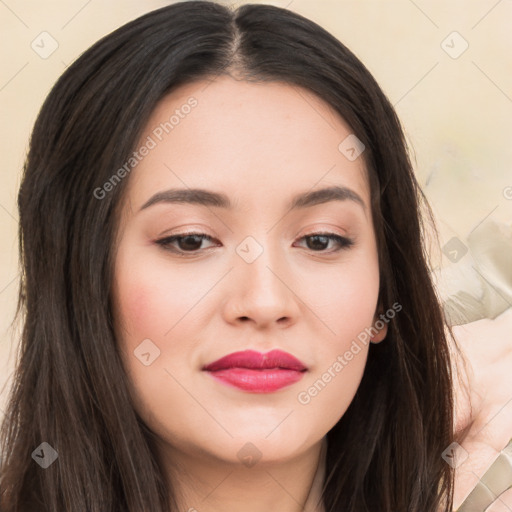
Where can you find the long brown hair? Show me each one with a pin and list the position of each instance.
(70, 389)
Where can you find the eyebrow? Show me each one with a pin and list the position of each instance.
(220, 200)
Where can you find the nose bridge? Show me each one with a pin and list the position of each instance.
(260, 281)
(259, 262)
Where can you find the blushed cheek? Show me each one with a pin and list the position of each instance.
(132, 309)
(151, 303)
(138, 315)
(137, 303)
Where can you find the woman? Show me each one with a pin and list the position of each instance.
(299, 360)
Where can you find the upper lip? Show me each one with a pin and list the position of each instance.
(256, 360)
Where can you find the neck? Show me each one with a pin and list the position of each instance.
(207, 484)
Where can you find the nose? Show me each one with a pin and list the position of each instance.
(262, 292)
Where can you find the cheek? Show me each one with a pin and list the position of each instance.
(138, 306)
(161, 303)
(148, 304)
(143, 311)
(343, 299)
(328, 392)
(151, 298)
(340, 358)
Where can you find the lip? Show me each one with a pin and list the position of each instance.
(254, 371)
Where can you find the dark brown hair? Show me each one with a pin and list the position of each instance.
(70, 388)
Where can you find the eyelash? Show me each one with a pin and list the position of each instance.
(344, 242)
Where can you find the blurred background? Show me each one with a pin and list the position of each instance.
(445, 66)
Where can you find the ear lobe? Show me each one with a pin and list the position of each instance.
(382, 328)
(380, 335)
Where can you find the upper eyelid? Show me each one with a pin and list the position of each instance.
(346, 241)
(317, 232)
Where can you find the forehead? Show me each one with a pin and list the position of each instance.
(253, 141)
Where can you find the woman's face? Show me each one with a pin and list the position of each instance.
(261, 282)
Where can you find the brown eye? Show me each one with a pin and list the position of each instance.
(318, 242)
(186, 242)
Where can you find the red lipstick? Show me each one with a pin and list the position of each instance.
(256, 372)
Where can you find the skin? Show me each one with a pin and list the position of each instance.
(260, 144)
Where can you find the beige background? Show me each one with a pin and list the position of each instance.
(457, 112)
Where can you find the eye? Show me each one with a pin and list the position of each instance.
(190, 243)
(318, 241)
(187, 242)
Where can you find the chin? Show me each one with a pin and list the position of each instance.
(266, 445)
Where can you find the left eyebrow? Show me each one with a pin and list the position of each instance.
(192, 196)
(324, 195)
(220, 200)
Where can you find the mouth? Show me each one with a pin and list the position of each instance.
(256, 372)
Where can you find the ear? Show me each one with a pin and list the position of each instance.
(380, 322)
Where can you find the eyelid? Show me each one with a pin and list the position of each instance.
(344, 242)
(166, 240)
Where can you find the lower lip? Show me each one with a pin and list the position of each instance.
(257, 381)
